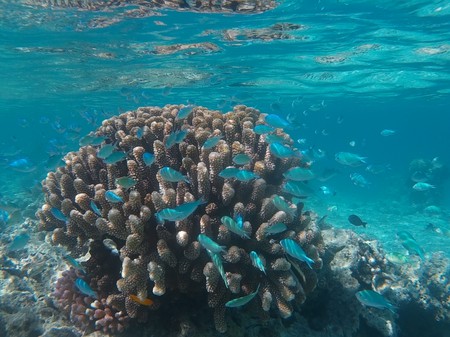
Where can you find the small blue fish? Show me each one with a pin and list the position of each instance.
(293, 249)
(282, 205)
(74, 263)
(169, 214)
(171, 175)
(374, 299)
(270, 139)
(140, 133)
(277, 122)
(126, 182)
(19, 242)
(275, 228)
(240, 221)
(211, 142)
(95, 208)
(184, 112)
(241, 159)
(115, 157)
(244, 175)
(22, 165)
(240, 301)
(85, 289)
(257, 262)
(233, 227)
(91, 140)
(281, 151)
(181, 135)
(148, 158)
(217, 261)
(299, 174)
(262, 129)
(387, 132)
(112, 197)
(58, 214)
(189, 207)
(229, 172)
(296, 188)
(171, 140)
(105, 151)
(209, 244)
(350, 159)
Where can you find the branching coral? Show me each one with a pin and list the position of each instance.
(165, 257)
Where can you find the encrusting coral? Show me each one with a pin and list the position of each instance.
(87, 204)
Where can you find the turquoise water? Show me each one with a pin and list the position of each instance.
(345, 72)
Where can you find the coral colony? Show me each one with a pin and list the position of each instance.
(184, 201)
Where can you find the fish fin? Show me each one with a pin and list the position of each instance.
(187, 180)
(364, 224)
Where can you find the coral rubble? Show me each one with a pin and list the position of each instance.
(86, 203)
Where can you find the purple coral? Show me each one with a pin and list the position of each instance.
(166, 258)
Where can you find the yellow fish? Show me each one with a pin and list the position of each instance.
(146, 302)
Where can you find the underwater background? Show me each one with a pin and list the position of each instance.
(339, 72)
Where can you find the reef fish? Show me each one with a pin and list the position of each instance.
(240, 221)
(112, 197)
(91, 140)
(350, 159)
(217, 261)
(387, 132)
(115, 157)
(281, 151)
(85, 288)
(356, 220)
(263, 129)
(211, 142)
(19, 242)
(397, 258)
(413, 247)
(126, 182)
(175, 138)
(240, 301)
(282, 205)
(58, 214)
(233, 227)
(257, 262)
(277, 122)
(95, 208)
(275, 228)
(229, 172)
(241, 159)
(184, 112)
(138, 300)
(169, 214)
(209, 244)
(270, 139)
(299, 174)
(245, 175)
(359, 180)
(105, 151)
(189, 207)
(169, 174)
(373, 299)
(296, 188)
(148, 158)
(111, 245)
(293, 249)
(422, 186)
(179, 213)
(74, 263)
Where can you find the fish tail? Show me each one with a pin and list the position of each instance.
(309, 262)
(187, 180)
